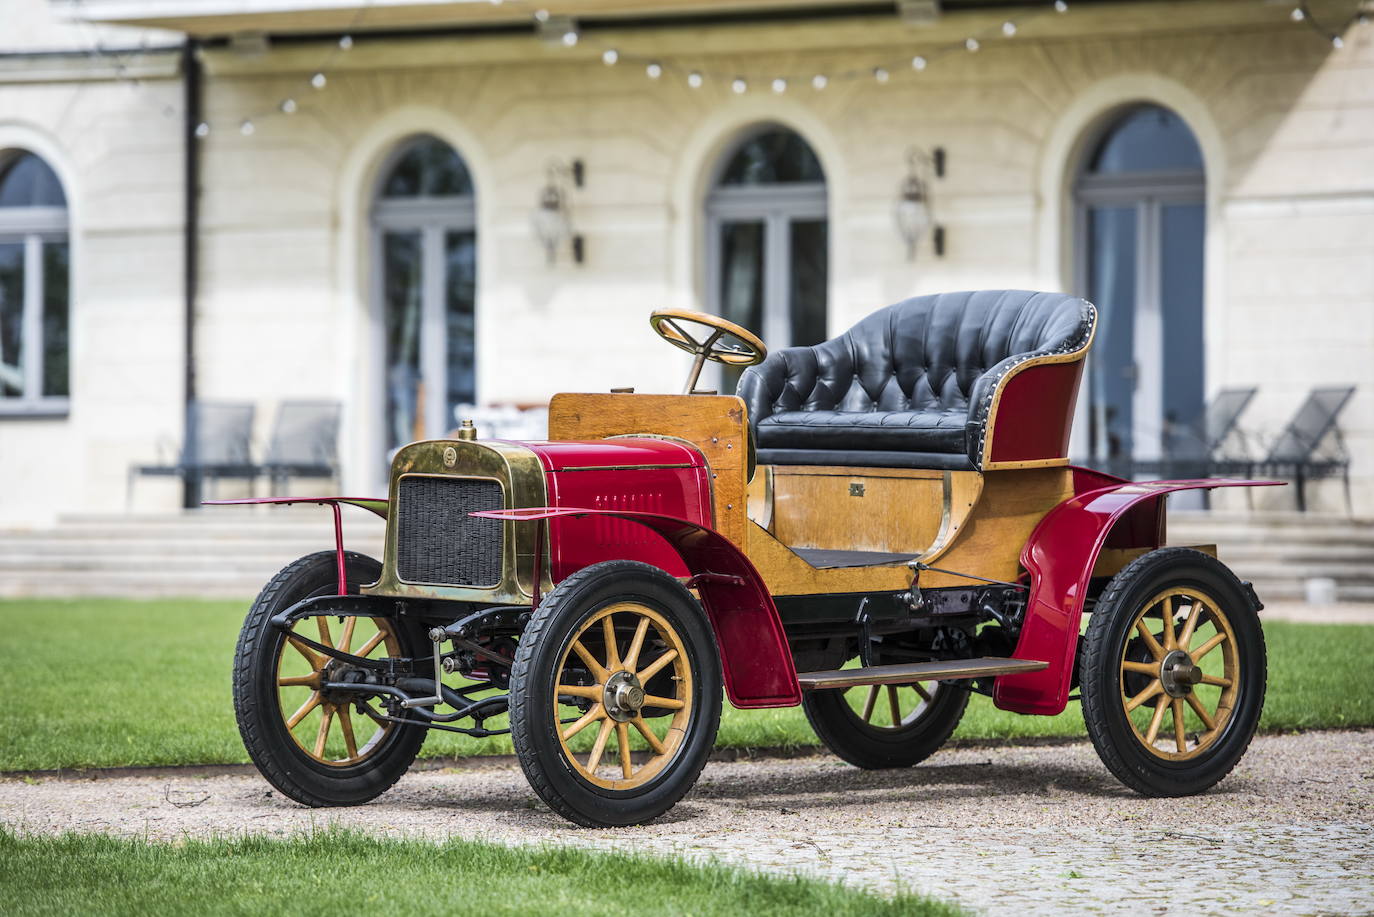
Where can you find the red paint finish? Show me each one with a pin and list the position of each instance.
(1035, 414)
(1060, 555)
(754, 655)
(566, 455)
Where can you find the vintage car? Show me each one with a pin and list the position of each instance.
(873, 528)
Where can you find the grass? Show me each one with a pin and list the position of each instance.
(101, 683)
(342, 873)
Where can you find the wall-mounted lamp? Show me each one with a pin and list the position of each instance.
(553, 213)
(914, 211)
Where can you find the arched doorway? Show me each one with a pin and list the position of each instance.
(425, 243)
(768, 239)
(1141, 224)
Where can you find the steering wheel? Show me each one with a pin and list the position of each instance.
(721, 342)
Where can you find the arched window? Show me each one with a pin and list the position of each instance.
(768, 238)
(425, 227)
(35, 273)
(1140, 196)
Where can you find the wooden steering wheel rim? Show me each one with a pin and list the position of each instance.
(664, 325)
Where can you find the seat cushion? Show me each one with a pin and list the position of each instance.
(915, 431)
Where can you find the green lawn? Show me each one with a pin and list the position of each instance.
(335, 873)
(98, 683)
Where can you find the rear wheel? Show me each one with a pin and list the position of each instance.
(317, 748)
(615, 695)
(883, 726)
(1173, 673)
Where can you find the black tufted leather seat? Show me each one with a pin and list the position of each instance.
(910, 385)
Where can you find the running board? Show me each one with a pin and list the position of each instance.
(918, 671)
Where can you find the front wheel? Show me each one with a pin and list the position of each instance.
(317, 748)
(1173, 673)
(615, 695)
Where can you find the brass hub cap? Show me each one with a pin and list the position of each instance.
(624, 650)
(1182, 662)
(322, 723)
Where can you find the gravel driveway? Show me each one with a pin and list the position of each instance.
(1021, 831)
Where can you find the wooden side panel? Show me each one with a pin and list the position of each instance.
(857, 509)
(714, 424)
(1012, 504)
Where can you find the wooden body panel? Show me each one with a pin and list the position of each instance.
(714, 424)
(857, 509)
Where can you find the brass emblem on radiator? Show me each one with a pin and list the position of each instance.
(450, 456)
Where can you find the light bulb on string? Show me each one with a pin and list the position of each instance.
(610, 56)
(1061, 6)
(1009, 28)
(541, 15)
(288, 106)
(1297, 15)
(880, 74)
(569, 38)
(345, 42)
(318, 81)
(203, 130)
(820, 81)
(918, 63)
(1337, 42)
(971, 44)
(247, 128)
(694, 79)
(739, 85)
(654, 70)
(780, 85)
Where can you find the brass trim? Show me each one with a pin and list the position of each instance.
(521, 475)
(917, 671)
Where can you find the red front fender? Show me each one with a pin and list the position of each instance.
(1060, 556)
(754, 655)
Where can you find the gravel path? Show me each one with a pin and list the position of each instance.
(1017, 831)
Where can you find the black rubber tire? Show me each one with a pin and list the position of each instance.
(1106, 637)
(874, 748)
(256, 707)
(533, 721)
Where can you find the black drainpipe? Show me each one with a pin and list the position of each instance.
(192, 76)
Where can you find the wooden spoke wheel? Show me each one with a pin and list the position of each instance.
(883, 726)
(1173, 673)
(615, 695)
(312, 743)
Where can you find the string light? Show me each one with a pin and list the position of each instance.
(1061, 6)
(541, 15)
(655, 70)
(739, 85)
(318, 80)
(819, 81)
(1337, 42)
(569, 38)
(694, 79)
(247, 128)
(345, 42)
(288, 106)
(1298, 14)
(1009, 28)
(202, 130)
(610, 56)
(880, 74)
(780, 85)
(918, 63)
(971, 44)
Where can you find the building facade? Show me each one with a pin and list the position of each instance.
(405, 207)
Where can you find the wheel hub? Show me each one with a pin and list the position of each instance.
(623, 696)
(1178, 673)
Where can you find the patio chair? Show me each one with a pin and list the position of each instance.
(1298, 451)
(304, 443)
(1199, 449)
(220, 447)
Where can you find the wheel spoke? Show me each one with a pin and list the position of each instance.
(870, 702)
(295, 681)
(622, 738)
(1217, 640)
(1144, 668)
(599, 746)
(322, 623)
(1150, 691)
(921, 690)
(1190, 625)
(894, 706)
(315, 660)
(1180, 739)
(649, 736)
(311, 703)
(1201, 711)
(612, 651)
(350, 624)
(346, 727)
(668, 703)
(1155, 649)
(1216, 680)
(1160, 706)
(591, 692)
(637, 644)
(597, 669)
(320, 737)
(371, 644)
(656, 666)
(591, 716)
(1166, 612)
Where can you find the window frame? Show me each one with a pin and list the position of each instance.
(33, 227)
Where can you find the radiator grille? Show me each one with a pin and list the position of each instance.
(438, 542)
